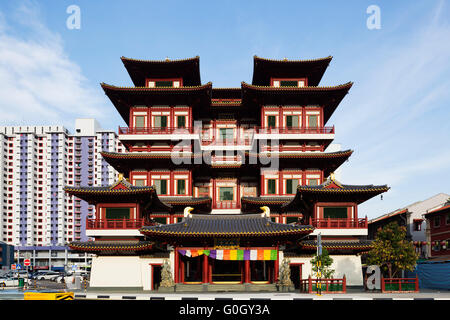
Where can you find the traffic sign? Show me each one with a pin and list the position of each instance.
(26, 262)
(18, 267)
(13, 267)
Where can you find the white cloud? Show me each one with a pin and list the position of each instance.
(39, 83)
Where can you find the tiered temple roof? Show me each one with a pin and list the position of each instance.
(140, 70)
(264, 69)
(225, 225)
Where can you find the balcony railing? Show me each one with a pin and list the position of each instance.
(226, 205)
(219, 141)
(155, 130)
(260, 130)
(114, 223)
(296, 130)
(343, 223)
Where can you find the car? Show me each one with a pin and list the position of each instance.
(47, 275)
(11, 282)
(43, 274)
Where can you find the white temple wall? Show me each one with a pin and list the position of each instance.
(124, 271)
(116, 271)
(350, 265)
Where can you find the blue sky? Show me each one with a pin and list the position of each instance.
(395, 116)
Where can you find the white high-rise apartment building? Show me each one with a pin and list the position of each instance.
(36, 163)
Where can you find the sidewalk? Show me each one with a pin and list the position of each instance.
(126, 295)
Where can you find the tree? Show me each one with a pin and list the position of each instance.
(391, 251)
(326, 262)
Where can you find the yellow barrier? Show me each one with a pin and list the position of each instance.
(48, 295)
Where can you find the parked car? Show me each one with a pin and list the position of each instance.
(10, 282)
(44, 275)
(48, 275)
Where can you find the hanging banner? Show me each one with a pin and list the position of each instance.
(231, 254)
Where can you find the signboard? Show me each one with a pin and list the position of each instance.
(226, 243)
(13, 267)
(319, 244)
(26, 262)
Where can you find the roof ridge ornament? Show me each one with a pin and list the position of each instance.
(266, 212)
(187, 212)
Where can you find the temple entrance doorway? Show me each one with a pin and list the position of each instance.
(227, 271)
(262, 271)
(192, 269)
(156, 275)
(296, 274)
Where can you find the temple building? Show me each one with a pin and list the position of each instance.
(225, 184)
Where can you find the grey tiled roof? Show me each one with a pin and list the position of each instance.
(226, 225)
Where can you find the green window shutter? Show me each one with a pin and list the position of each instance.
(181, 121)
(162, 84)
(162, 220)
(291, 186)
(312, 122)
(161, 186)
(181, 186)
(335, 212)
(292, 121)
(161, 121)
(271, 121)
(226, 193)
(139, 183)
(271, 186)
(291, 219)
(139, 121)
(288, 83)
(117, 213)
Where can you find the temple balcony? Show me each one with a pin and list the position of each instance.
(303, 133)
(157, 133)
(339, 226)
(226, 205)
(113, 227)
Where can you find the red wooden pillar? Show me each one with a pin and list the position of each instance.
(280, 183)
(205, 269)
(275, 276)
(176, 268)
(171, 184)
(238, 193)
(247, 271)
(309, 284)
